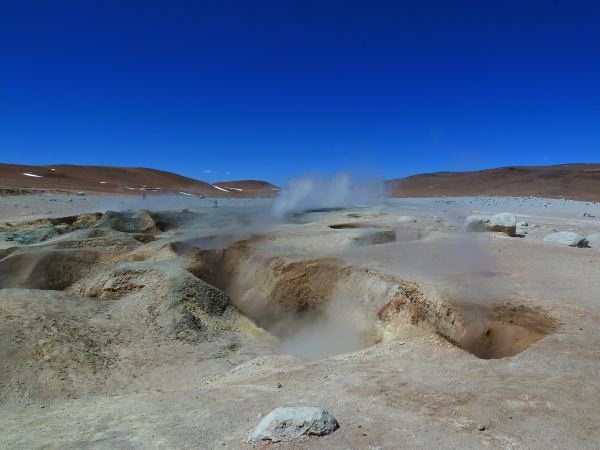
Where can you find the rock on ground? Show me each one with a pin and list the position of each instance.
(288, 423)
(503, 222)
(569, 238)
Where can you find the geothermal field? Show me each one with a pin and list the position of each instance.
(164, 322)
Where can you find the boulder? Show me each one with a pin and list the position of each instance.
(569, 238)
(593, 240)
(503, 222)
(406, 219)
(289, 423)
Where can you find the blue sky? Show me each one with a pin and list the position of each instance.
(275, 89)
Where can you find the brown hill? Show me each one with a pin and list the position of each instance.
(572, 181)
(248, 186)
(115, 180)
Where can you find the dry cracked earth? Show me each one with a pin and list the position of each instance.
(173, 325)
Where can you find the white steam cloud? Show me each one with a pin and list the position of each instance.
(309, 192)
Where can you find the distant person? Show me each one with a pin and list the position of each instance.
(144, 196)
(215, 204)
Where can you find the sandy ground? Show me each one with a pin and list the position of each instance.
(110, 339)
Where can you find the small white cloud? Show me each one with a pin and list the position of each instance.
(208, 171)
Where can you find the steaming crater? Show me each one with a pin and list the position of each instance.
(322, 307)
(315, 307)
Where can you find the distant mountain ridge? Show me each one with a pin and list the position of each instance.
(578, 181)
(121, 180)
(573, 181)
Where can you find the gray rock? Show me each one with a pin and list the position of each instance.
(406, 219)
(504, 222)
(288, 423)
(569, 238)
(593, 240)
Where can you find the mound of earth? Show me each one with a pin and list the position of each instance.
(248, 186)
(572, 181)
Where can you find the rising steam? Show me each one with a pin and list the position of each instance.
(309, 192)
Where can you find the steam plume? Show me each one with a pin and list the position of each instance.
(309, 192)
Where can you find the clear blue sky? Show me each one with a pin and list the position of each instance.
(273, 89)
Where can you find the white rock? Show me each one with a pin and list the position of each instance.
(288, 423)
(504, 222)
(569, 238)
(407, 219)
